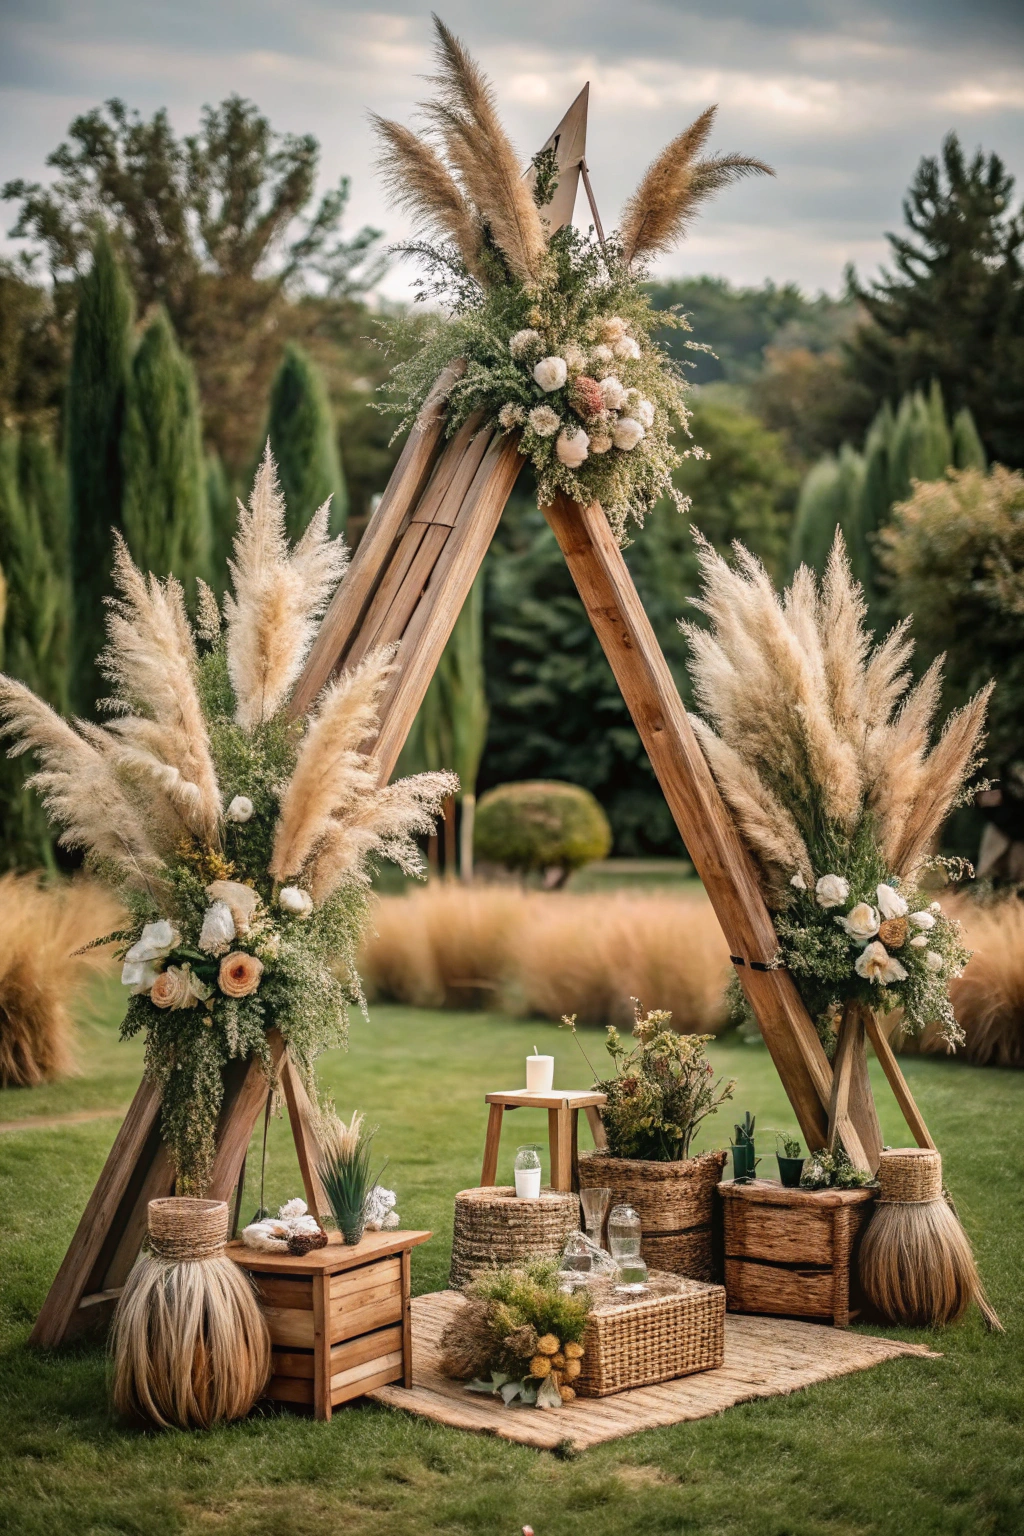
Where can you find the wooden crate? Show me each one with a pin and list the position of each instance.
(338, 1317)
(792, 1252)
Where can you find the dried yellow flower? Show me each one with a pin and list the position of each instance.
(893, 932)
(572, 1370)
(540, 1365)
(567, 1394)
(573, 1351)
(548, 1345)
(558, 1361)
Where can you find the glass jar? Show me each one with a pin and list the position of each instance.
(527, 1172)
(624, 1233)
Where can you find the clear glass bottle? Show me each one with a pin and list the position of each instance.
(527, 1172)
(624, 1233)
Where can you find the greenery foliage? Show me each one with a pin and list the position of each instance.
(952, 308)
(520, 1328)
(538, 826)
(662, 1089)
(301, 432)
(95, 415)
(164, 512)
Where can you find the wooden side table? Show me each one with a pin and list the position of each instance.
(563, 1106)
(338, 1317)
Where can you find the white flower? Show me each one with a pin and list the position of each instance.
(600, 442)
(291, 1209)
(525, 342)
(218, 930)
(544, 421)
(511, 415)
(933, 960)
(798, 882)
(643, 410)
(551, 373)
(155, 942)
(923, 920)
(299, 903)
(890, 902)
(571, 448)
(627, 349)
(919, 941)
(875, 963)
(626, 433)
(240, 809)
(602, 356)
(933, 906)
(832, 891)
(612, 393)
(575, 357)
(379, 1209)
(141, 974)
(861, 923)
(613, 329)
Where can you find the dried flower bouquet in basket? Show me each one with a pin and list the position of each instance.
(555, 328)
(238, 838)
(820, 746)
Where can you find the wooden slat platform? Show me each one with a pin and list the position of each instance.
(764, 1357)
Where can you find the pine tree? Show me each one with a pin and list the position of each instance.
(95, 415)
(302, 435)
(34, 634)
(953, 308)
(164, 509)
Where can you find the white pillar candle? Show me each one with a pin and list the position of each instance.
(528, 1183)
(540, 1072)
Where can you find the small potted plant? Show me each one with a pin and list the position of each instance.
(744, 1159)
(345, 1173)
(661, 1090)
(790, 1160)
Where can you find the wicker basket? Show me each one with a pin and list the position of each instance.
(676, 1329)
(909, 1176)
(494, 1228)
(673, 1200)
(185, 1229)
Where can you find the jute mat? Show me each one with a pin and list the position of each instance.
(764, 1356)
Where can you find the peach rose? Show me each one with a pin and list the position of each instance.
(173, 988)
(239, 974)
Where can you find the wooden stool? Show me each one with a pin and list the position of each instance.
(338, 1317)
(563, 1106)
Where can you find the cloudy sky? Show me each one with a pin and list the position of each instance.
(842, 98)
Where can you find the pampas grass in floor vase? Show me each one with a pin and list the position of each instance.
(190, 1344)
(916, 1262)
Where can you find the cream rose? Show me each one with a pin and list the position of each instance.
(600, 442)
(173, 988)
(933, 960)
(922, 920)
(551, 373)
(572, 448)
(876, 964)
(613, 329)
(626, 349)
(240, 809)
(603, 356)
(626, 433)
(239, 974)
(890, 902)
(861, 923)
(831, 891)
(218, 930)
(575, 357)
(296, 902)
(643, 410)
(612, 393)
(919, 942)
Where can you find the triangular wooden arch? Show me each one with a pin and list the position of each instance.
(408, 580)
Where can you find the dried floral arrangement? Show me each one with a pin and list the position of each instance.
(519, 1336)
(239, 839)
(555, 329)
(662, 1089)
(820, 746)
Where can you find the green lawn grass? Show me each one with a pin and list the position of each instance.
(912, 1446)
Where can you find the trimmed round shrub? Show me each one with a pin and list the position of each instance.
(541, 826)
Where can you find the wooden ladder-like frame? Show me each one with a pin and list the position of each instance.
(408, 580)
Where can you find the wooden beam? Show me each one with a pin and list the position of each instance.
(897, 1082)
(718, 855)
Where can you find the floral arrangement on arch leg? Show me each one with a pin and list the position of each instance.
(238, 838)
(555, 328)
(821, 748)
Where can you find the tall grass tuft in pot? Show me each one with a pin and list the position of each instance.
(345, 1172)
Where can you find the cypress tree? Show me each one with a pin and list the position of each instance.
(95, 414)
(828, 500)
(164, 508)
(968, 449)
(302, 439)
(223, 513)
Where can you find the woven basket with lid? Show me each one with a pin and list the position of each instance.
(675, 1328)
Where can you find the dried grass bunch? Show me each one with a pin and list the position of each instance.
(555, 329)
(240, 839)
(42, 968)
(821, 748)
